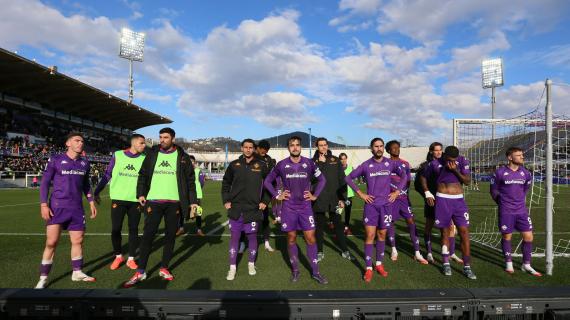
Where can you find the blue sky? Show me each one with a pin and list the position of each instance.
(352, 68)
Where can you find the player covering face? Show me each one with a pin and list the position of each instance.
(451, 171)
(296, 173)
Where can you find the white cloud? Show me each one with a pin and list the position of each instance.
(355, 10)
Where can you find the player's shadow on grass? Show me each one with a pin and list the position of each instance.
(355, 262)
(201, 284)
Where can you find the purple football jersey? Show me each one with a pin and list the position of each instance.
(395, 179)
(377, 175)
(439, 169)
(69, 180)
(509, 188)
(296, 177)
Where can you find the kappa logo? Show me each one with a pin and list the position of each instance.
(506, 174)
(130, 167)
(164, 164)
(287, 166)
(371, 166)
(63, 162)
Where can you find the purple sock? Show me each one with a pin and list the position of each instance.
(293, 256)
(451, 245)
(76, 264)
(45, 268)
(507, 250)
(312, 255)
(466, 261)
(392, 236)
(234, 245)
(368, 249)
(252, 241)
(427, 240)
(380, 246)
(414, 236)
(527, 251)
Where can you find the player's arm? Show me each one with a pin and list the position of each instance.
(87, 192)
(494, 186)
(144, 176)
(105, 179)
(462, 171)
(399, 170)
(349, 180)
(227, 181)
(428, 172)
(265, 195)
(47, 177)
(321, 182)
(269, 180)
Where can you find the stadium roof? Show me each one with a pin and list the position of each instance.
(31, 81)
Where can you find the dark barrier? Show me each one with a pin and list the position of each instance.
(467, 304)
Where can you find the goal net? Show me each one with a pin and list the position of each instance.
(484, 142)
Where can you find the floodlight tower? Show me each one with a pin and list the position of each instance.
(492, 77)
(131, 48)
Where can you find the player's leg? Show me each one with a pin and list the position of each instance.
(381, 233)
(312, 255)
(506, 227)
(429, 214)
(321, 224)
(293, 252)
(461, 221)
(134, 218)
(443, 220)
(76, 238)
(414, 237)
(266, 226)
(172, 213)
(235, 234)
(118, 212)
(524, 224)
(391, 230)
(340, 236)
(53, 233)
(452, 253)
(251, 233)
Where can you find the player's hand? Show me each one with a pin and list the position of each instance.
(393, 196)
(228, 205)
(367, 198)
(46, 211)
(142, 200)
(430, 202)
(93, 210)
(193, 208)
(451, 165)
(285, 195)
(97, 199)
(309, 196)
(262, 206)
(341, 204)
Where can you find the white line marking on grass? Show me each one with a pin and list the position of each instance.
(223, 225)
(19, 204)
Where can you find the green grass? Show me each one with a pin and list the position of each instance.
(201, 263)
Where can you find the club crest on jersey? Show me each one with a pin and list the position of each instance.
(504, 227)
(522, 173)
(256, 165)
(386, 164)
(165, 164)
(285, 225)
(83, 163)
(304, 166)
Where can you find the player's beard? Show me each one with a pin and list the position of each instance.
(378, 155)
(293, 155)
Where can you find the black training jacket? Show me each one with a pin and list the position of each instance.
(335, 188)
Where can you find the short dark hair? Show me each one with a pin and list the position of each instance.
(342, 154)
(451, 151)
(432, 146)
(248, 140)
(192, 157)
(390, 143)
(512, 150)
(168, 130)
(74, 134)
(373, 141)
(137, 136)
(292, 138)
(319, 140)
(264, 144)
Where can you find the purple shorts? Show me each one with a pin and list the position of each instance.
(239, 226)
(70, 219)
(292, 220)
(514, 221)
(401, 209)
(451, 209)
(378, 215)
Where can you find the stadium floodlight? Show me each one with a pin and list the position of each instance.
(131, 48)
(492, 77)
